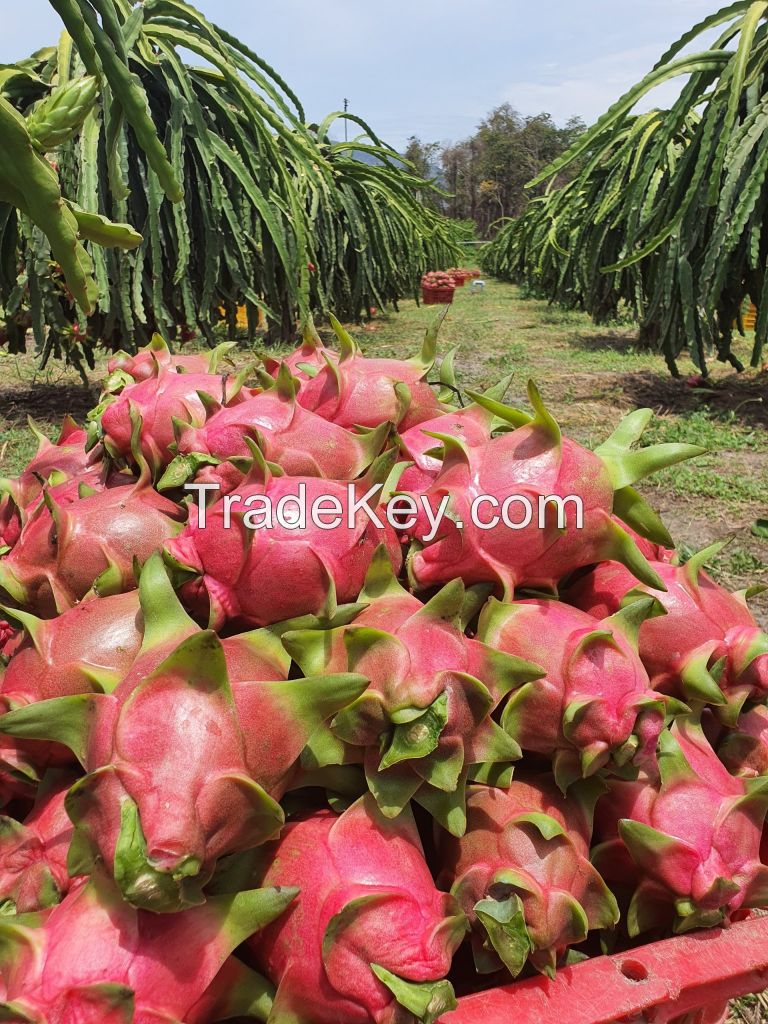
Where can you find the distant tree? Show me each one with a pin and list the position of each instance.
(485, 175)
(425, 158)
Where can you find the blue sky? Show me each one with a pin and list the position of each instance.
(433, 67)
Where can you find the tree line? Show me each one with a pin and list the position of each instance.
(485, 175)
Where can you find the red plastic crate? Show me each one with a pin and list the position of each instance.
(690, 978)
(437, 296)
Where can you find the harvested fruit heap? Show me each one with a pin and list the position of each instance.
(316, 776)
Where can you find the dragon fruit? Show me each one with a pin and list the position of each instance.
(355, 391)
(690, 843)
(369, 938)
(530, 463)
(63, 553)
(89, 648)
(95, 960)
(10, 639)
(744, 750)
(150, 408)
(474, 425)
(249, 575)
(300, 442)
(522, 874)
(158, 819)
(595, 708)
(424, 723)
(53, 463)
(707, 647)
(310, 356)
(33, 855)
(148, 362)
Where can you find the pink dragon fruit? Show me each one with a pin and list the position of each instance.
(300, 442)
(33, 855)
(249, 574)
(522, 874)
(707, 647)
(54, 463)
(355, 391)
(690, 843)
(10, 639)
(150, 408)
(310, 356)
(369, 939)
(158, 818)
(473, 425)
(595, 708)
(89, 648)
(424, 723)
(95, 960)
(63, 553)
(147, 362)
(744, 750)
(528, 464)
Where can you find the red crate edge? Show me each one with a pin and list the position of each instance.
(657, 982)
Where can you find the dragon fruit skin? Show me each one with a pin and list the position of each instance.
(744, 750)
(707, 647)
(595, 708)
(155, 404)
(33, 855)
(86, 649)
(64, 459)
(369, 937)
(156, 356)
(308, 358)
(355, 391)
(424, 723)
(522, 874)
(96, 960)
(472, 425)
(691, 841)
(534, 461)
(232, 565)
(300, 442)
(63, 553)
(158, 818)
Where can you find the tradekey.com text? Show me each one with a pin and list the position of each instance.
(401, 512)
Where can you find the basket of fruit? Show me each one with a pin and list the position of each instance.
(437, 288)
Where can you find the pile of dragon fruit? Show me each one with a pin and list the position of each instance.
(340, 776)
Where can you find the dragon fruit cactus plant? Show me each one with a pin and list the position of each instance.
(594, 708)
(33, 853)
(424, 724)
(158, 819)
(229, 566)
(300, 442)
(355, 391)
(689, 842)
(707, 647)
(130, 967)
(63, 553)
(522, 875)
(369, 939)
(534, 461)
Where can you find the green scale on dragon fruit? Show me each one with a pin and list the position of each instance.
(158, 819)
